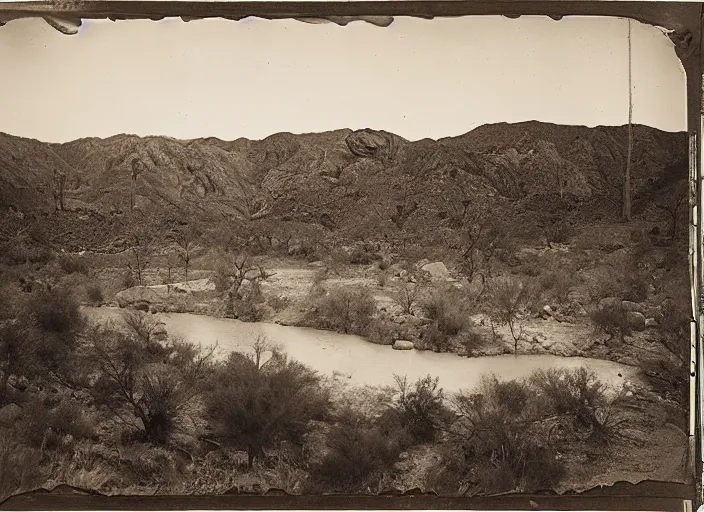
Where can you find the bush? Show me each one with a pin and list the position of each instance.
(95, 293)
(358, 458)
(253, 406)
(558, 285)
(361, 256)
(509, 301)
(420, 407)
(559, 232)
(21, 253)
(612, 319)
(446, 312)
(505, 447)
(380, 331)
(472, 340)
(73, 264)
(580, 396)
(43, 425)
(346, 310)
(279, 302)
(19, 467)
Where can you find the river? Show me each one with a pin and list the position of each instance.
(363, 362)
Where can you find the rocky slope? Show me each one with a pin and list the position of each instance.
(351, 182)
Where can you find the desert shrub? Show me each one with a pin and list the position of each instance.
(359, 457)
(445, 311)
(254, 406)
(19, 468)
(558, 232)
(380, 331)
(18, 354)
(57, 319)
(73, 264)
(279, 302)
(247, 310)
(420, 407)
(612, 319)
(128, 280)
(80, 467)
(150, 465)
(505, 447)
(472, 339)
(382, 278)
(44, 426)
(94, 292)
(384, 265)
(141, 325)
(150, 386)
(407, 297)
(557, 285)
(580, 396)
(509, 301)
(22, 253)
(346, 310)
(363, 256)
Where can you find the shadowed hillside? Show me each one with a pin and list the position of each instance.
(357, 184)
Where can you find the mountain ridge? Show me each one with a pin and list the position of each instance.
(348, 181)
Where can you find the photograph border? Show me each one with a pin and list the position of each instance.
(683, 23)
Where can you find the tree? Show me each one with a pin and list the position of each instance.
(674, 201)
(171, 260)
(627, 174)
(407, 297)
(509, 300)
(186, 238)
(233, 269)
(256, 406)
(480, 234)
(147, 385)
(140, 254)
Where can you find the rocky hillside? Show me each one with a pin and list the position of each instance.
(351, 182)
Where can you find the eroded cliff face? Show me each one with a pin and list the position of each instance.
(344, 180)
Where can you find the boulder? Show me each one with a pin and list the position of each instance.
(9, 414)
(636, 320)
(610, 302)
(403, 345)
(437, 270)
(651, 323)
(632, 306)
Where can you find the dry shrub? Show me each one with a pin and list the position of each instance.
(19, 468)
(73, 264)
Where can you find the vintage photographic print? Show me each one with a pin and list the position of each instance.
(448, 255)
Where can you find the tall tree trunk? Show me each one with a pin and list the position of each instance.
(627, 175)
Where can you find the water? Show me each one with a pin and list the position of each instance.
(363, 362)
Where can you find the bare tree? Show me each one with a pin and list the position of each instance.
(509, 300)
(407, 297)
(232, 272)
(140, 253)
(141, 324)
(478, 240)
(627, 175)
(186, 239)
(673, 204)
(171, 262)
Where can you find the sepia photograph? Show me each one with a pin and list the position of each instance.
(441, 255)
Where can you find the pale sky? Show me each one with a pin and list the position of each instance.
(417, 78)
